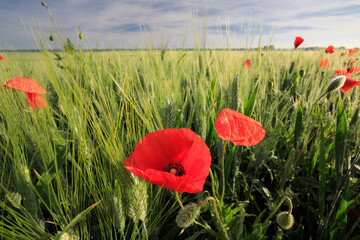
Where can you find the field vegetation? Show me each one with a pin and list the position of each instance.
(61, 166)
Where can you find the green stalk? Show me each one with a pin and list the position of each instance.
(178, 199)
(213, 200)
(278, 206)
(212, 182)
(223, 174)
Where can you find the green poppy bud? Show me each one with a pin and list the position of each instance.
(51, 38)
(336, 83)
(42, 3)
(301, 73)
(187, 215)
(285, 220)
(81, 36)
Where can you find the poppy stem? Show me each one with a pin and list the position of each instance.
(223, 173)
(278, 206)
(212, 182)
(203, 202)
(178, 199)
(213, 200)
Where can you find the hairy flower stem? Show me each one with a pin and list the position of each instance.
(223, 173)
(213, 200)
(212, 182)
(278, 206)
(178, 199)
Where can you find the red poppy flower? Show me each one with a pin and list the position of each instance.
(31, 89)
(349, 84)
(353, 70)
(343, 72)
(352, 52)
(175, 159)
(248, 63)
(324, 63)
(238, 128)
(1, 57)
(298, 41)
(330, 49)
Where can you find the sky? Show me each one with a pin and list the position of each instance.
(183, 23)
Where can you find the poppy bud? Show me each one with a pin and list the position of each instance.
(51, 38)
(187, 215)
(301, 73)
(336, 83)
(42, 3)
(285, 220)
(81, 36)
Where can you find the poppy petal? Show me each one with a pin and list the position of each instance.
(160, 148)
(26, 85)
(175, 146)
(238, 128)
(353, 69)
(349, 84)
(298, 41)
(248, 63)
(324, 63)
(352, 52)
(330, 49)
(341, 71)
(35, 100)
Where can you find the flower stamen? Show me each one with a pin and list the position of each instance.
(175, 168)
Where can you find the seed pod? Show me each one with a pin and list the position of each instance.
(187, 215)
(285, 220)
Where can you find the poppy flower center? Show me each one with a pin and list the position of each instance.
(175, 168)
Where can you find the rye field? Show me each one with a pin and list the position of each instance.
(179, 144)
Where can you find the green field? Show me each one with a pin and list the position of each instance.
(61, 166)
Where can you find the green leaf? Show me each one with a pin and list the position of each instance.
(250, 103)
(76, 220)
(340, 138)
(196, 235)
(355, 118)
(212, 84)
(180, 59)
(298, 125)
(339, 227)
(322, 172)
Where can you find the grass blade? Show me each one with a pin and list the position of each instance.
(340, 138)
(76, 220)
(250, 103)
(322, 173)
(298, 125)
(339, 227)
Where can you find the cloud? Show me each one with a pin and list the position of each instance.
(122, 21)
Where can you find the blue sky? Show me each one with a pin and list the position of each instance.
(135, 23)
